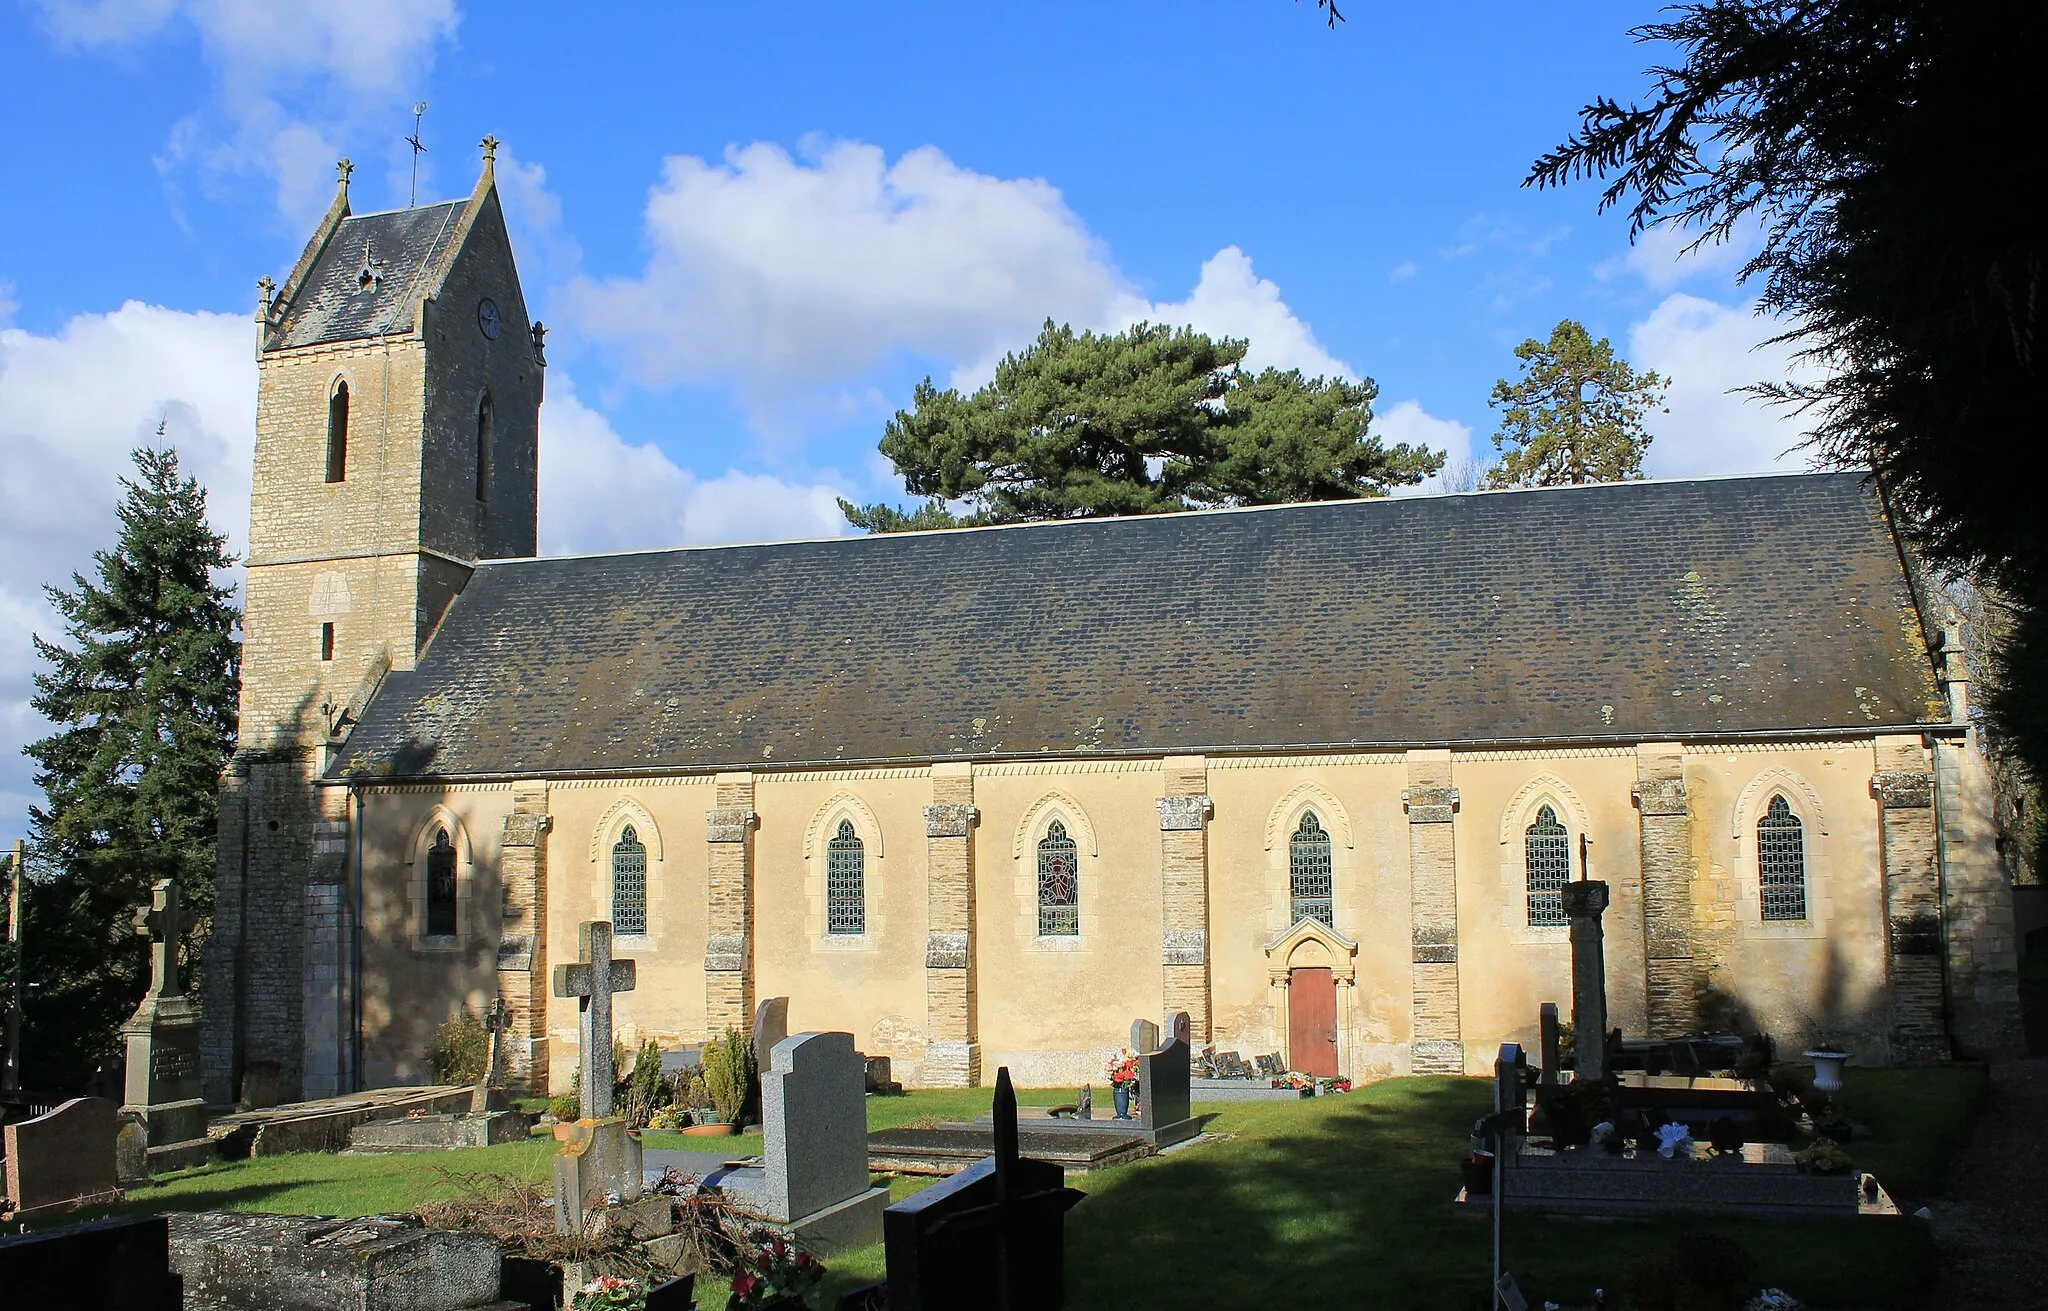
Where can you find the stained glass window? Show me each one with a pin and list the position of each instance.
(1547, 858)
(1781, 861)
(441, 887)
(1308, 863)
(1059, 884)
(629, 883)
(846, 908)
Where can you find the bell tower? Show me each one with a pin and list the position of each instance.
(399, 384)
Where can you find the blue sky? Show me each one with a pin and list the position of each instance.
(752, 228)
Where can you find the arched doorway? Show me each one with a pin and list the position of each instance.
(1312, 968)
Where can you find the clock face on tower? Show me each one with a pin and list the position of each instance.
(487, 318)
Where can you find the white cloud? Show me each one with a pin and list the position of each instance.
(1403, 271)
(1409, 422)
(1232, 301)
(1710, 351)
(545, 251)
(72, 406)
(599, 493)
(789, 277)
(281, 67)
(1661, 258)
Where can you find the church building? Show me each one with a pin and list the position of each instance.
(1315, 774)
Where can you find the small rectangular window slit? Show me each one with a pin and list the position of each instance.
(326, 642)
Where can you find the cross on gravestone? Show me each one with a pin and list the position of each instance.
(497, 1020)
(592, 980)
(159, 922)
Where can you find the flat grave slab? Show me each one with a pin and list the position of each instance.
(1241, 1090)
(657, 1161)
(953, 1147)
(439, 1133)
(1163, 1136)
(1761, 1180)
(323, 1125)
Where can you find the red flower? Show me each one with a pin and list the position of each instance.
(778, 1249)
(743, 1283)
(764, 1261)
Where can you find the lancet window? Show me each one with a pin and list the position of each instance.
(1547, 861)
(846, 906)
(1310, 886)
(1781, 861)
(1059, 884)
(441, 887)
(629, 883)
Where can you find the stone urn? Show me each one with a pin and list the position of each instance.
(1827, 1068)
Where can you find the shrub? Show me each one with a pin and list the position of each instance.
(568, 1105)
(1714, 1265)
(646, 1090)
(460, 1048)
(729, 1073)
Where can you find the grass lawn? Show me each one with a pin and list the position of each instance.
(1335, 1193)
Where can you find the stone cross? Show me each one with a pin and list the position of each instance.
(592, 981)
(1584, 902)
(342, 169)
(158, 922)
(490, 147)
(497, 1020)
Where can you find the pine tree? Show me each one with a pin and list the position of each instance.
(1143, 421)
(143, 694)
(1574, 416)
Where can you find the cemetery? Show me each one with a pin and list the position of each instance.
(941, 1195)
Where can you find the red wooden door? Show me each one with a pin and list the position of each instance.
(1312, 1022)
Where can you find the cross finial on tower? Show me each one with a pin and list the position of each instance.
(265, 291)
(490, 145)
(342, 169)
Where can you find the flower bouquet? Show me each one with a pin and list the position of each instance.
(1336, 1085)
(610, 1293)
(779, 1275)
(1123, 1080)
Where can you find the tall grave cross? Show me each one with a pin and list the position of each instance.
(497, 1020)
(591, 981)
(158, 921)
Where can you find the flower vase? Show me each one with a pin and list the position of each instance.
(1122, 1096)
(1827, 1068)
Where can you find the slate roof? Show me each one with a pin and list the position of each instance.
(1638, 611)
(404, 247)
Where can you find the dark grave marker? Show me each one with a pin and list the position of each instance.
(106, 1265)
(993, 1235)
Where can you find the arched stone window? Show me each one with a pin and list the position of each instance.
(1547, 862)
(629, 883)
(483, 448)
(1308, 872)
(441, 887)
(1059, 884)
(337, 432)
(846, 906)
(1781, 862)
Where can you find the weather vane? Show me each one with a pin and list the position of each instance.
(417, 146)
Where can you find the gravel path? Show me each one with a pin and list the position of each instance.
(1992, 1223)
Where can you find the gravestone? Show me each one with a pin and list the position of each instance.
(1508, 1099)
(813, 1180)
(1144, 1036)
(1584, 902)
(1546, 1024)
(1180, 1025)
(993, 1235)
(1163, 1090)
(234, 1261)
(63, 1159)
(881, 1076)
(497, 1019)
(771, 1026)
(1270, 1067)
(162, 1041)
(591, 981)
(1084, 1102)
(105, 1265)
(598, 1164)
(131, 1152)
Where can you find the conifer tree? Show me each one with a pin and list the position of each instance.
(142, 693)
(1143, 421)
(1574, 416)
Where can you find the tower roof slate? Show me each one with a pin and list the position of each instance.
(1644, 611)
(403, 247)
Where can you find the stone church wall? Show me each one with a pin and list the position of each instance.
(1051, 1009)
